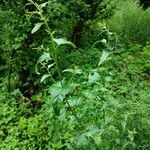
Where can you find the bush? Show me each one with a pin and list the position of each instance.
(131, 22)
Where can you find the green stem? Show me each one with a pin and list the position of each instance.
(48, 73)
(55, 54)
(54, 48)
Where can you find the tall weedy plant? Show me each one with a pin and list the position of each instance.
(58, 90)
(55, 42)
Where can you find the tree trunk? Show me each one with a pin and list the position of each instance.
(78, 29)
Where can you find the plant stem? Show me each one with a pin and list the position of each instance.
(54, 48)
(9, 76)
(48, 72)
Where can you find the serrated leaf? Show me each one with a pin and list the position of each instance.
(55, 89)
(75, 101)
(81, 140)
(94, 77)
(62, 115)
(44, 77)
(62, 41)
(36, 27)
(104, 57)
(59, 91)
(45, 57)
(89, 94)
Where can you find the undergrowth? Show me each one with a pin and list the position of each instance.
(108, 109)
(56, 95)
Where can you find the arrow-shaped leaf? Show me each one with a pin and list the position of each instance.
(36, 27)
(45, 57)
(62, 41)
(104, 57)
(43, 5)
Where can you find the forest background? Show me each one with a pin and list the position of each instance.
(74, 74)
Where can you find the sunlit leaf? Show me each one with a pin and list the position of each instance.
(75, 101)
(89, 94)
(104, 57)
(43, 5)
(36, 69)
(81, 140)
(91, 131)
(108, 79)
(45, 57)
(94, 77)
(59, 91)
(62, 115)
(55, 89)
(68, 70)
(51, 65)
(44, 77)
(123, 124)
(62, 41)
(36, 27)
(75, 70)
(104, 41)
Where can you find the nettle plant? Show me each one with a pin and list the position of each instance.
(49, 59)
(70, 125)
(51, 52)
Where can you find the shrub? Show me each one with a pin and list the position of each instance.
(131, 22)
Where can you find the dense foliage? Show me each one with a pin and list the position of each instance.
(131, 22)
(74, 75)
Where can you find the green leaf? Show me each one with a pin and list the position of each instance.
(36, 69)
(62, 115)
(55, 89)
(104, 41)
(89, 94)
(62, 41)
(81, 140)
(94, 78)
(45, 57)
(75, 70)
(75, 101)
(68, 70)
(59, 91)
(104, 57)
(44, 77)
(36, 27)
(43, 5)
(108, 79)
(51, 65)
